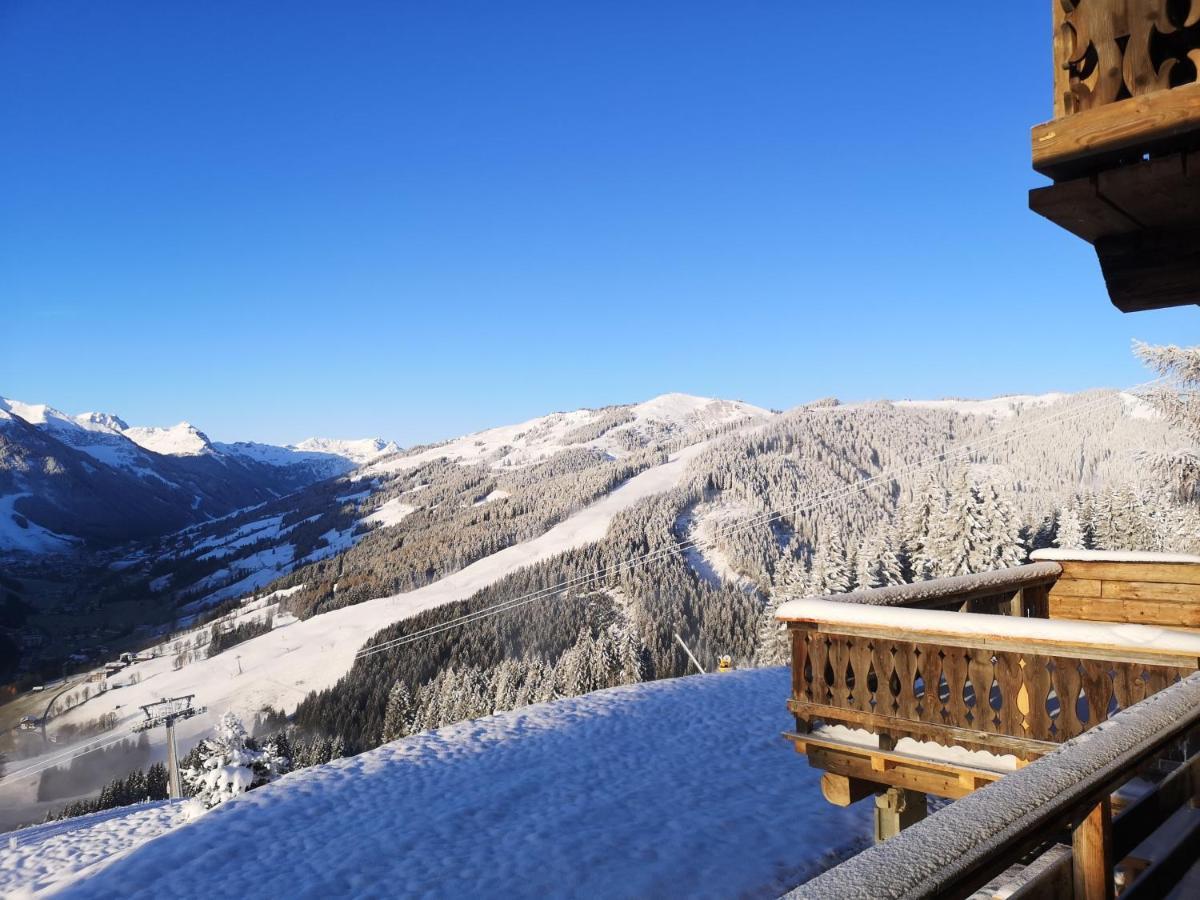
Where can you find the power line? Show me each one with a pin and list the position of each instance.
(765, 518)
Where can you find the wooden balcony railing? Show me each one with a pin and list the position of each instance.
(983, 682)
(1124, 77)
(959, 849)
(1012, 662)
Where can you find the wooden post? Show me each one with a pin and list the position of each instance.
(1092, 862)
(896, 809)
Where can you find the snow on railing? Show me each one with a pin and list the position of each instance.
(1146, 643)
(1057, 554)
(957, 590)
(958, 849)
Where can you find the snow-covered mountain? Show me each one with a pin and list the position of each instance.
(66, 480)
(304, 581)
(614, 430)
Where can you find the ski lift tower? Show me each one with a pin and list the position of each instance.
(166, 712)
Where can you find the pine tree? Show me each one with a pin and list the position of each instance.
(831, 572)
(1179, 403)
(1070, 530)
(229, 764)
(398, 717)
(771, 647)
(918, 526)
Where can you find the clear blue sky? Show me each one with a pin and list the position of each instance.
(420, 219)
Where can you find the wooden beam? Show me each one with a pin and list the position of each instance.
(1091, 139)
(944, 734)
(1091, 854)
(1078, 206)
(841, 790)
(1151, 269)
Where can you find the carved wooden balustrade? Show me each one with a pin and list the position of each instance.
(907, 661)
(1007, 699)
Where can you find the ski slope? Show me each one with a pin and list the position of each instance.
(281, 667)
(680, 788)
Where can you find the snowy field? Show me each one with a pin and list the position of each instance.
(680, 788)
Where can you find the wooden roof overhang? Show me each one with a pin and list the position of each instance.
(1123, 148)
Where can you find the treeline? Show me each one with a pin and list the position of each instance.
(136, 787)
(224, 638)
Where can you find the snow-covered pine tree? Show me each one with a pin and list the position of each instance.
(918, 526)
(771, 647)
(1179, 403)
(229, 765)
(397, 718)
(1005, 546)
(1070, 529)
(880, 558)
(961, 533)
(831, 572)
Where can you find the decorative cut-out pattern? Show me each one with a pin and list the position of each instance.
(1017, 694)
(1107, 50)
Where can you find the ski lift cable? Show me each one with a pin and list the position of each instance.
(62, 757)
(807, 506)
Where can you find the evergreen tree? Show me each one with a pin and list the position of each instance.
(1070, 530)
(398, 718)
(229, 764)
(1179, 402)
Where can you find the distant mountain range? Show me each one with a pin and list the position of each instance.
(88, 481)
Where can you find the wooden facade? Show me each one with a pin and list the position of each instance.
(1122, 146)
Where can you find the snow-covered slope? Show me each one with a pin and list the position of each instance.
(665, 417)
(183, 439)
(281, 667)
(996, 407)
(677, 788)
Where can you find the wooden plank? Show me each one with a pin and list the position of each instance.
(1076, 587)
(910, 777)
(1091, 854)
(1148, 590)
(1077, 206)
(1140, 612)
(1089, 139)
(1169, 573)
(947, 735)
(1151, 810)
(1159, 193)
(1168, 871)
(1022, 645)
